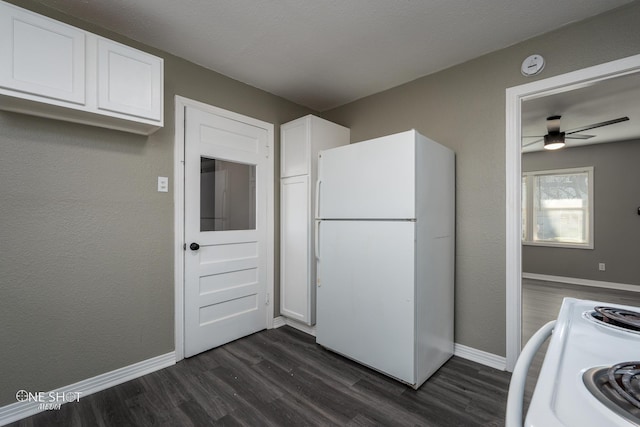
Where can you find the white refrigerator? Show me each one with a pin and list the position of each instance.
(385, 224)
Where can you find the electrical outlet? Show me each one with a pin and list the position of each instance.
(601, 266)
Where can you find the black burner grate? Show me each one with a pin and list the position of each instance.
(625, 379)
(618, 317)
(605, 385)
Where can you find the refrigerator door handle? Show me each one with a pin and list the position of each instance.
(317, 240)
(318, 199)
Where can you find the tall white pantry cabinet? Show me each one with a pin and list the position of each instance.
(300, 142)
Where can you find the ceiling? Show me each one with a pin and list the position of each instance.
(596, 103)
(326, 53)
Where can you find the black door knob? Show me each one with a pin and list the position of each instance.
(194, 246)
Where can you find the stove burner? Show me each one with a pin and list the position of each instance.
(617, 387)
(618, 317)
(625, 379)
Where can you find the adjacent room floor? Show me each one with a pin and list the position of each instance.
(281, 377)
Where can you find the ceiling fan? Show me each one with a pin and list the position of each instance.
(555, 139)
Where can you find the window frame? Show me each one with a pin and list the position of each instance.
(528, 179)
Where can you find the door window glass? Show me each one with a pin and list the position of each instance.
(227, 195)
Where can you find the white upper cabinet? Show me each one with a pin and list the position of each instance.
(51, 69)
(295, 146)
(41, 56)
(128, 80)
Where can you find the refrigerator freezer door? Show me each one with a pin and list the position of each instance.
(365, 293)
(374, 179)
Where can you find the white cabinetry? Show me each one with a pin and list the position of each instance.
(51, 69)
(300, 141)
(128, 81)
(41, 56)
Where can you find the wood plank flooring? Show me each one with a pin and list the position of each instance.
(281, 377)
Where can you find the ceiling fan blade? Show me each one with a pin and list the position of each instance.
(534, 136)
(531, 143)
(578, 136)
(597, 125)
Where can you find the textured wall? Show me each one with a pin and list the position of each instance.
(463, 108)
(616, 220)
(86, 276)
(86, 266)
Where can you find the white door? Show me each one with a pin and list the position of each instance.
(225, 261)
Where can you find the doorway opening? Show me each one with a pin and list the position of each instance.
(515, 96)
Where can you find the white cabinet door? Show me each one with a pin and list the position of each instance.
(41, 56)
(295, 148)
(129, 81)
(295, 287)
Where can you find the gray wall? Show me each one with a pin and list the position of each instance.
(463, 108)
(86, 283)
(616, 221)
(86, 266)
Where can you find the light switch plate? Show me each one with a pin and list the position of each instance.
(163, 184)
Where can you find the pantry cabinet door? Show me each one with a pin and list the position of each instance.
(296, 287)
(129, 81)
(41, 56)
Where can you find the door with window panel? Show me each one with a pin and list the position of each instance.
(225, 230)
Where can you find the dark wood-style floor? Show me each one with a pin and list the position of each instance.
(281, 377)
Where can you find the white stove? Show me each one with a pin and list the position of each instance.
(580, 377)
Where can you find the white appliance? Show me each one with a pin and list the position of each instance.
(385, 254)
(594, 350)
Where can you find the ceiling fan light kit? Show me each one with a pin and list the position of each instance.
(554, 140)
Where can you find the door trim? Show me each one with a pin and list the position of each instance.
(513, 171)
(178, 201)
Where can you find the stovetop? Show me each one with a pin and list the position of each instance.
(583, 349)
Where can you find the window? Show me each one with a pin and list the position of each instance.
(557, 208)
(227, 195)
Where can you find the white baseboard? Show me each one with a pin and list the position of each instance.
(582, 282)
(281, 321)
(479, 356)
(278, 322)
(19, 410)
